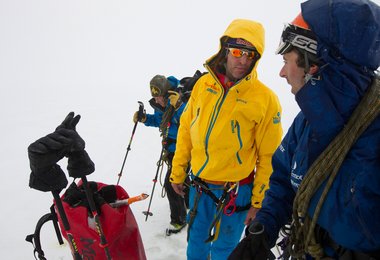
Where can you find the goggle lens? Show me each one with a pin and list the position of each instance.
(238, 53)
(297, 37)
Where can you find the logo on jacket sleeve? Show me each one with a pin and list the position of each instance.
(277, 118)
(296, 178)
(212, 88)
(241, 100)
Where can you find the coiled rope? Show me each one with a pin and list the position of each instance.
(326, 166)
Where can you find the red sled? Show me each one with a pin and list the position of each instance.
(118, 225)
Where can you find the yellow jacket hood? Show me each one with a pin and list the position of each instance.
(248, 30)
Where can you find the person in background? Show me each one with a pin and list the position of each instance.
(325, 179)
(168, 108)
(229, 131)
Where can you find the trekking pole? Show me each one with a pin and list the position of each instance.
(99, 230)
(147, 212)
(66, 225)
(140, 115)
(159, 165)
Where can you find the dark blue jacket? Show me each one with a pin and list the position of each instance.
(155, 121)
(348, 33)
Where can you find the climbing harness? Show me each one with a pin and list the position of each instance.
(213, 230)
(225, 204)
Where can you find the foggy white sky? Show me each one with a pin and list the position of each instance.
(96, 58)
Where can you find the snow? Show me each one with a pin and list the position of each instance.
(96, 58)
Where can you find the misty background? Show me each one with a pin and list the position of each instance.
(96, 58)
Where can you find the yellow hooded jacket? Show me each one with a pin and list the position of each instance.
(227, 136)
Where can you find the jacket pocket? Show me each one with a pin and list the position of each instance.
(196, 117)
(235, 128)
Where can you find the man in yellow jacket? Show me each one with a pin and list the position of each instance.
(228, 132)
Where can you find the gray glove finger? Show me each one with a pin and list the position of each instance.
(74, 122)
(69, 122)
(65, 123)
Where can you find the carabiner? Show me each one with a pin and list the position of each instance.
(230, 208)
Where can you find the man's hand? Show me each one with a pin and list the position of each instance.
(139, 118)
(250, 215)
(254, 246)
(179, 188)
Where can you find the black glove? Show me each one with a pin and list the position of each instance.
(254, 246)
(47, 151)
(70, 122)
(43, 157)
(79, 163)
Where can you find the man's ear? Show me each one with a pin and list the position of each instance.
(313, 69)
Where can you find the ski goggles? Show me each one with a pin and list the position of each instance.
(294, 36)
(238, 53)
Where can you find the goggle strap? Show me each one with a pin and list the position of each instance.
(235, 46)
(297, 37)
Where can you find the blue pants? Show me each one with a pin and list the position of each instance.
(231, 227)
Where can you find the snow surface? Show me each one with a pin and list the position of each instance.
(96, 58)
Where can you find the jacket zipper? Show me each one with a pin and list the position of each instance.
(240, 142)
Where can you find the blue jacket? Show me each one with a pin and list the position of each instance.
(350, 48)
(154, 120)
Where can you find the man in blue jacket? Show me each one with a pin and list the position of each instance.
(326, 174)
(168, 108)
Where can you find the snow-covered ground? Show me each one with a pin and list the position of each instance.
(96, 58)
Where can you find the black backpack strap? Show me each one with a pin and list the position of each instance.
(35, 237)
